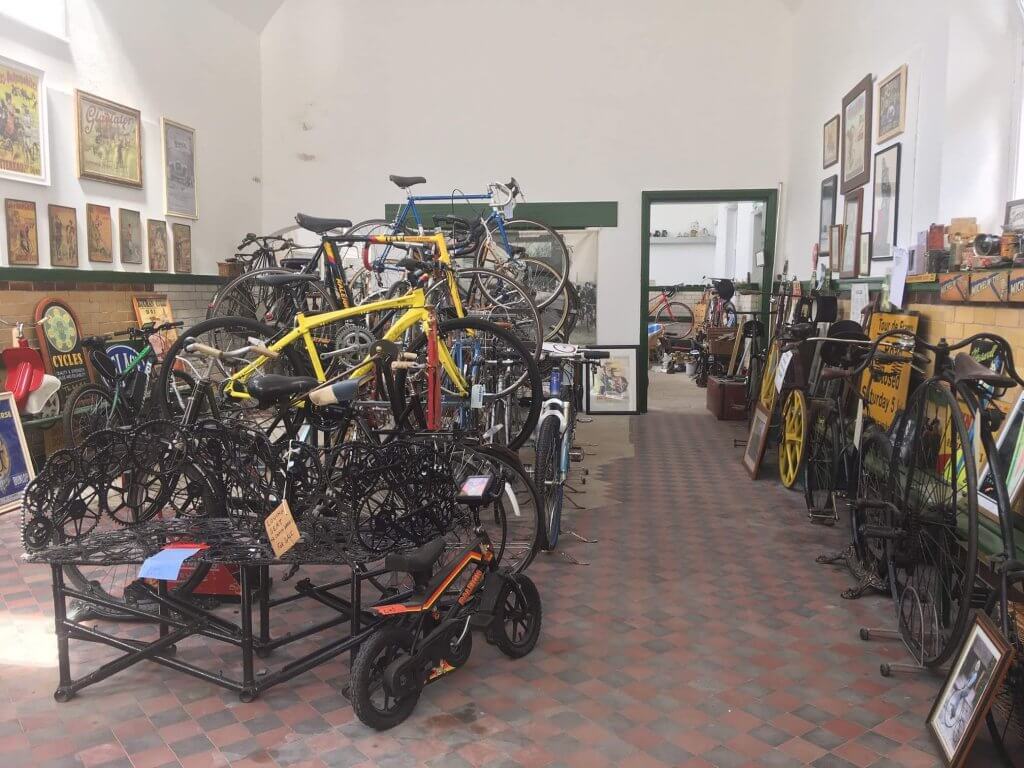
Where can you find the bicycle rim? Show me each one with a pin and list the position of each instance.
(528, 240)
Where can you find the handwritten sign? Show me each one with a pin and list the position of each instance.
(780, 370)
(155, 308)
(281, 529)
(886, 387)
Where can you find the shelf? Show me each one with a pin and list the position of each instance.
(683, 240)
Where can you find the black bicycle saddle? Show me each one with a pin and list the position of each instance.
(404, 182)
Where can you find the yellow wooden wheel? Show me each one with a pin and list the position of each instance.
(767, 395)
(794, 437)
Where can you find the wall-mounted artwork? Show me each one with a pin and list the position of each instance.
(179, 170)
(853, 209)
(827, 215)
(23, 145)
(182, 237)
(857, 136)
(109, 140)
(892, 105)
(864, 269)
(63, 236)
(611, 385)
(156, 238)
(130, 227)
(886, 202)
(22, 237)
(99, 233)
(830, 143)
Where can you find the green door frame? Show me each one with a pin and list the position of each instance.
(770, 198)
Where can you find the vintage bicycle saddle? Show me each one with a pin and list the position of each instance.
(967, 370)
(420, 560)
(318, 225)
(273, 387)
(404, 182)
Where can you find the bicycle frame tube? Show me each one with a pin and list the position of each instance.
(135, 361)
(443, 256)
(337, 272)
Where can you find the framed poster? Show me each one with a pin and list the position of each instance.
(60, 343)
(757, 440)
(853, 209)
(973, 680)
(22, 237)
(827, 212)
(63, 236)
(864, 265)
(156, 238)
(835, 246)
(129, 224)
(23, 130)
(830, 143)
(16, 470)
(611, 385)
(179, 170)
(181, 234)
(1010, 448)
(886, 202)
(856, 169)
(892, 105)
(99, 233)
(109, 139)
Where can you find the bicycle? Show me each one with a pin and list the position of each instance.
(265, 254)
(674, 316)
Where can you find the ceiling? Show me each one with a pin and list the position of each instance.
(253, 14)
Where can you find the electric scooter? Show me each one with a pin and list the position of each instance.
(35, 391)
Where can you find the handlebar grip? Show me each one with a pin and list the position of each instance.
(885, 358)
(399, 365)
(596, 354)
(204, 349)
(259, 347)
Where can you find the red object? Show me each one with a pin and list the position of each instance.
(433, 385)
(221, 581)
(366, 256)
(727, 398)
(24, 371)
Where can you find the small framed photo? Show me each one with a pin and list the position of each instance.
(853, 210)
(864, 267)
(1015, 215)
(892, 105)
(131, 234)
(835, 246)
(827, 214)
(99, 233)
(16, 470)
(63, 236)
(973, 680)
(830, 143)
(757, 440)
(611, 385)
(856, 139)
(22, 237)
(886, 202)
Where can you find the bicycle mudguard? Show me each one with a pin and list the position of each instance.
(488, 601)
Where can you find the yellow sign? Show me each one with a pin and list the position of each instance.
(887, 386)
(281, 529)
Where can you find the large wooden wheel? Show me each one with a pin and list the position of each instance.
(794, 437)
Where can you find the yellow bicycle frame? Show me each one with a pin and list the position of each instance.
(443, 257)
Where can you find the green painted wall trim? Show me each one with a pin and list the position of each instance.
(875, 283)
(36, 275)
(566, 215)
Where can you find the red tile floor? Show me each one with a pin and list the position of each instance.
(702, 634)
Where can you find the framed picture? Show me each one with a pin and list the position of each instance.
(827, 212)
(156, 239)
(129, 225)
(973, 680)
(835, 246)
(179, 170)
(1010, 447)
(181, 234)
(853, 210)
(830, 143)
(16, 470)
(22, 237)
(60, 343)
(109, 140)
(611, 386)
(864, 267)
(756, 441)
(886, 201)
(99, 233)
(63, 236)
(24, 145)
(1015, 214)
(856, 169)
(892, 105)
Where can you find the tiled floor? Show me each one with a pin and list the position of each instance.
(702, 634)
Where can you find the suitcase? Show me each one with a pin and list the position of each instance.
(727, 398)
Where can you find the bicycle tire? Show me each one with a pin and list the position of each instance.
(676, 318)
(872, 483)
(523, 528)
(245, 296)
(72, 411)
(491, 253)
(1005, 718)
(821, 467)
(546, 469)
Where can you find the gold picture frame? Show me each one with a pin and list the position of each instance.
(891, 115)
(108, 138)
(181, 193)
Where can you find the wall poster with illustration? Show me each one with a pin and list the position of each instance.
(156, 236)
(611, 385)
(23, 132)
(856, 152)
(22, 237)
(109, 140)
(63, 236)
(886, 202)
(130, 231)
(181, 235)
(99, 233)
(179, 170)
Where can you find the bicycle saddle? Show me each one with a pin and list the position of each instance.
(404, 182)
(318, 225)
(420, 560)
(967, 370)
(273, 387)
(276, 281)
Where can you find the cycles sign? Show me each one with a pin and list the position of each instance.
(60, 341)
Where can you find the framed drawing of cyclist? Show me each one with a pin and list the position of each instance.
(611, 385)
(1010, 447)
(757, 440)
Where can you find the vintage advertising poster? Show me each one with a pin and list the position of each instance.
(613, 383)
(109, 140)
(156, 236)
(887, 387)
(155, 308)
(180, 170)
(15, 462)
(60, 342)
(23, 145)
(130, 227)
(182, 236)
(63, 236)
(99, 233)
(22, 237)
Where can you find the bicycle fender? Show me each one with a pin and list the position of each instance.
(555, 407)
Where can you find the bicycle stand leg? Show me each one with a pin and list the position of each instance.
(572, 560)
(577, 536)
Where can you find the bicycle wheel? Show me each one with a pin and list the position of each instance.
(381, 279)
(89, 409)
(934, 561)
(246, 296)
(821, 469)
(1006, 717)
(527, 239)
(872, 485)
(676, 318)
(547, 476)
(793, 447)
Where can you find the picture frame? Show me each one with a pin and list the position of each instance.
(22, 233)
(864, 264)
(892, 105)
(179, 148)
(108, 139)
(827, 212)
(830, 143)
(181, 239)
(757, 440)
(1010, 447)
(853, 214)
(611, 384)
(156, 244)
(16, 470)
(1014, 215)
(99, 233)
(885, 202)
(27, 157)
(856, 138)
(130, 237)
(63, 223)
(835, 246)
(966, 697)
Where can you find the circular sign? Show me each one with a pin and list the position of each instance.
(60, 329)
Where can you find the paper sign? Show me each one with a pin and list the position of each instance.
(900, 265)
(165, 565)
(780, 370)
(281, 529)
(859, 299)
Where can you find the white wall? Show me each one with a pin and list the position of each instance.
(579, 99)
(186, 61)
(963, 60)
(680, 217)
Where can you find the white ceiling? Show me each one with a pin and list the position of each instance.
(252, 13)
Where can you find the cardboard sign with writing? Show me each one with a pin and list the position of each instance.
(990, 285)
(155, 308)
(1015, 289)
(281, 529)
(60, 343)
(955, 286)
(887, 388)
